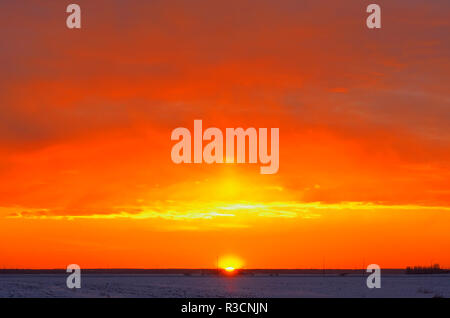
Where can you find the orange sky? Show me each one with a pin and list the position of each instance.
(86, 117)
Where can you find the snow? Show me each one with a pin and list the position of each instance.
(113, 285)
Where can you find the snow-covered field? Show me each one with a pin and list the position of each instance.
(105, 285)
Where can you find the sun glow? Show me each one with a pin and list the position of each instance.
(230, 263)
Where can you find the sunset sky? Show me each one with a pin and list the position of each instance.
(86, 117)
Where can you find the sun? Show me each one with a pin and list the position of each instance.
(230, 263)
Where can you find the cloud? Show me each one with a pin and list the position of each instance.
(216, 210)
(355, 108)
